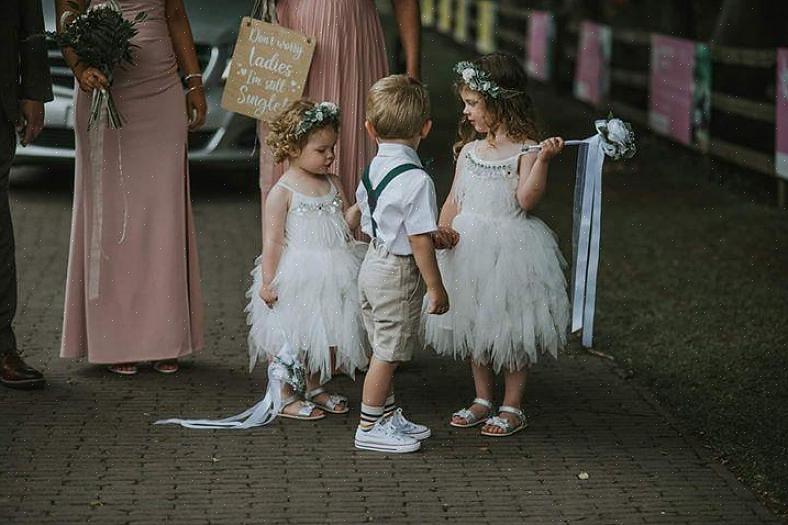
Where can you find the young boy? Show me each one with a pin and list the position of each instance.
(398, 211)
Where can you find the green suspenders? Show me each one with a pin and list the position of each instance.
(373, 194)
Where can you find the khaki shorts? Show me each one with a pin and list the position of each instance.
(392, 292)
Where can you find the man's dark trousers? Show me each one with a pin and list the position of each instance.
(7, 263)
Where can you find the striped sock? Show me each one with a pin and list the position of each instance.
(391, 406)
(369, 416)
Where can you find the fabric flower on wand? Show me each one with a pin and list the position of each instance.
(101, 37)
(618, 139)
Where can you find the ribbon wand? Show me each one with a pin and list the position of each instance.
(614, 139)
(617, 139)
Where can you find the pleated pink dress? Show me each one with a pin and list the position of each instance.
(133, 286)
(350, 56)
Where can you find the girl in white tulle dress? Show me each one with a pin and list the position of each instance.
(505, 277)
(304, 286)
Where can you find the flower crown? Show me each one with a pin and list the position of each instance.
(316, 116)
(476, 79)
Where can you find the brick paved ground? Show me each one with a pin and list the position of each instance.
(84, 450)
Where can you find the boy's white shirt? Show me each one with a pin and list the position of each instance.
(406, 207)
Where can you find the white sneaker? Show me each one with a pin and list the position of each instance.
(409, 428)
(383, 437)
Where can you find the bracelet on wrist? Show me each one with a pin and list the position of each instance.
(191, 76)
(193, 88)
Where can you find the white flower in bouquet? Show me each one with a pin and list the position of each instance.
(618, 139)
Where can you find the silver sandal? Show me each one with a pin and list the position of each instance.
(304, 413)
(504, 424)
(471, 419)
(330, 406)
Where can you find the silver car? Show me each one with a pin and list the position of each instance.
(226, 140)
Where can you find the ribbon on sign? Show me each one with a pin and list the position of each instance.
(616, 140)
(265, 10)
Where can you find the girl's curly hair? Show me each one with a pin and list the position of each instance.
(512, 109)
(286, 137)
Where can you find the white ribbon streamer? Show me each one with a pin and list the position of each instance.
(96, 146)
(587, 233)
(266, 410)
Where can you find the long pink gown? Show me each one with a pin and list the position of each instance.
(350, 55)
(133, 287)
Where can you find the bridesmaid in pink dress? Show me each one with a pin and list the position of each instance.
(133, 287)
(349, 57)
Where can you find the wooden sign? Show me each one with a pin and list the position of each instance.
(268, 70)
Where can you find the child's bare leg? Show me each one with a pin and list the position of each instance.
(513, 397)
(377, 387)
(484, 382)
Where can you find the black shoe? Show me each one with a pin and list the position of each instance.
(15, 373)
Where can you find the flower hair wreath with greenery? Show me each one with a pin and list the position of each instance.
(477, 80)
(319, 115)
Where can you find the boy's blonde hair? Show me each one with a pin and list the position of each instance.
(288, 136)
(397, 107)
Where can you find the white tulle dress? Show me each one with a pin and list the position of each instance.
(505, 278)
(316, 281)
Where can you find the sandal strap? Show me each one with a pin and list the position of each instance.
(315, 392)
(512, 410)
(467, 415)
(306, 407)
(290, 399)
(335, 400)
(483, 402)
(500, 422)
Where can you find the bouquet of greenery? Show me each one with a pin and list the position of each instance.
(101, 37)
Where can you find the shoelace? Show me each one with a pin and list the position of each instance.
(398, 420)
(390, 428)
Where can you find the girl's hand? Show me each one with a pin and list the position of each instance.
(268, 295)
(445, 238)
(353, 216)
(91, 78)
(196, 108)
(550, 148)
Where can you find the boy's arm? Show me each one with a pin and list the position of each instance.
(424, 254)
(420, 227)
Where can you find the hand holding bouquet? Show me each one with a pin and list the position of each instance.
(101, 38)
